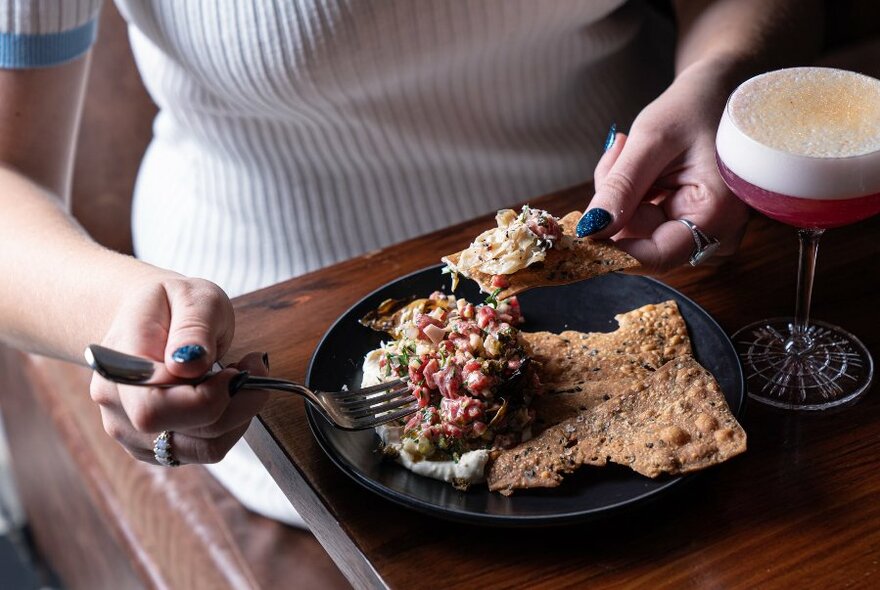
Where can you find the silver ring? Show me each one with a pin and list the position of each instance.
(704, 245)
(162, 450)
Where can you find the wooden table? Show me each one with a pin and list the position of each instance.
(801, 508)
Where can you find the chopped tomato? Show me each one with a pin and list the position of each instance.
(478, 382)
(422, 395)
(413, 421)
(461, 411)
(470, 367)
(448, 382)
(453, 431)
(485, 316)
(428, 371)
(500, 281)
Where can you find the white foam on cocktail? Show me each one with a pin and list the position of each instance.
(817, 112)
(805, 132)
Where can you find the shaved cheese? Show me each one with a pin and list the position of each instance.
(505, 249)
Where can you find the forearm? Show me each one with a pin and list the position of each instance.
(744, 37)
(60, 289)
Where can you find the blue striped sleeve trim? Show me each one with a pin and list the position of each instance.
(19, 50)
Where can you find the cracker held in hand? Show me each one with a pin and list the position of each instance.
(680, 423)
(534, 249)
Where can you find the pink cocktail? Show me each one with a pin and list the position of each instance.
(802, 146)
(800, 212)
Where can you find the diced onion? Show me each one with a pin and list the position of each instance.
(435, 333)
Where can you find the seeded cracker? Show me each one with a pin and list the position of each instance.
(553, 408)
(565, 364)
(678, 424)
(584, 259)
(581, 370)
(653, 328)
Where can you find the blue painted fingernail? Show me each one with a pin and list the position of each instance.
(188, 353)
(612, 135)
(236, 382)
(593, 220)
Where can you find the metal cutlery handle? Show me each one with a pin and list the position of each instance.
(129, 369)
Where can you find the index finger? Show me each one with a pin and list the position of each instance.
(641, 159)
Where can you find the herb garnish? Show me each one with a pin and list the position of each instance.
(493, 298)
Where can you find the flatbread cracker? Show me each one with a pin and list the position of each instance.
(647, 338)
(656, 327)
(680, 423)
(565, 363)
(553, 408)
(580, 370)
(585, 259)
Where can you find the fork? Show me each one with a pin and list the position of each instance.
(357, 409)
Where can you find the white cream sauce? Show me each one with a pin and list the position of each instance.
(470, 467)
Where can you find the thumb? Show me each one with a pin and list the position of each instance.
(621, 187)
(201, 326)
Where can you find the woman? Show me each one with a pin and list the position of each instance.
(294, 135)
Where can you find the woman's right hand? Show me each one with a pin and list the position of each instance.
(188, 324)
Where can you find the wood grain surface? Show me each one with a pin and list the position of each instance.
(798, 509)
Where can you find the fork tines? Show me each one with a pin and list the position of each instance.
(372, 421)
(380, 387)
(378, 404)
(358, 406)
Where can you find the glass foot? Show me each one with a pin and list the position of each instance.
(832, 368)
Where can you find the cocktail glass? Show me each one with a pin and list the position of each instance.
(802, 146)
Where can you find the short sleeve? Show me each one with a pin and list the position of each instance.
(42, 33)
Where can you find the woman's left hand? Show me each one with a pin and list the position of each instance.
(665, 170)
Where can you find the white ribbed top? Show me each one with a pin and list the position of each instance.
(43, 17)
(297, 134)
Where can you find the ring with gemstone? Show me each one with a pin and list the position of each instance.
(162, 450)
(704, 245)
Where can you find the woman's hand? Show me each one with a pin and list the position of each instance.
(188, 323)
(664, 171)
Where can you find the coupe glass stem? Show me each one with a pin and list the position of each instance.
(800, 340)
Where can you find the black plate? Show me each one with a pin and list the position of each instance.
(588, 306)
